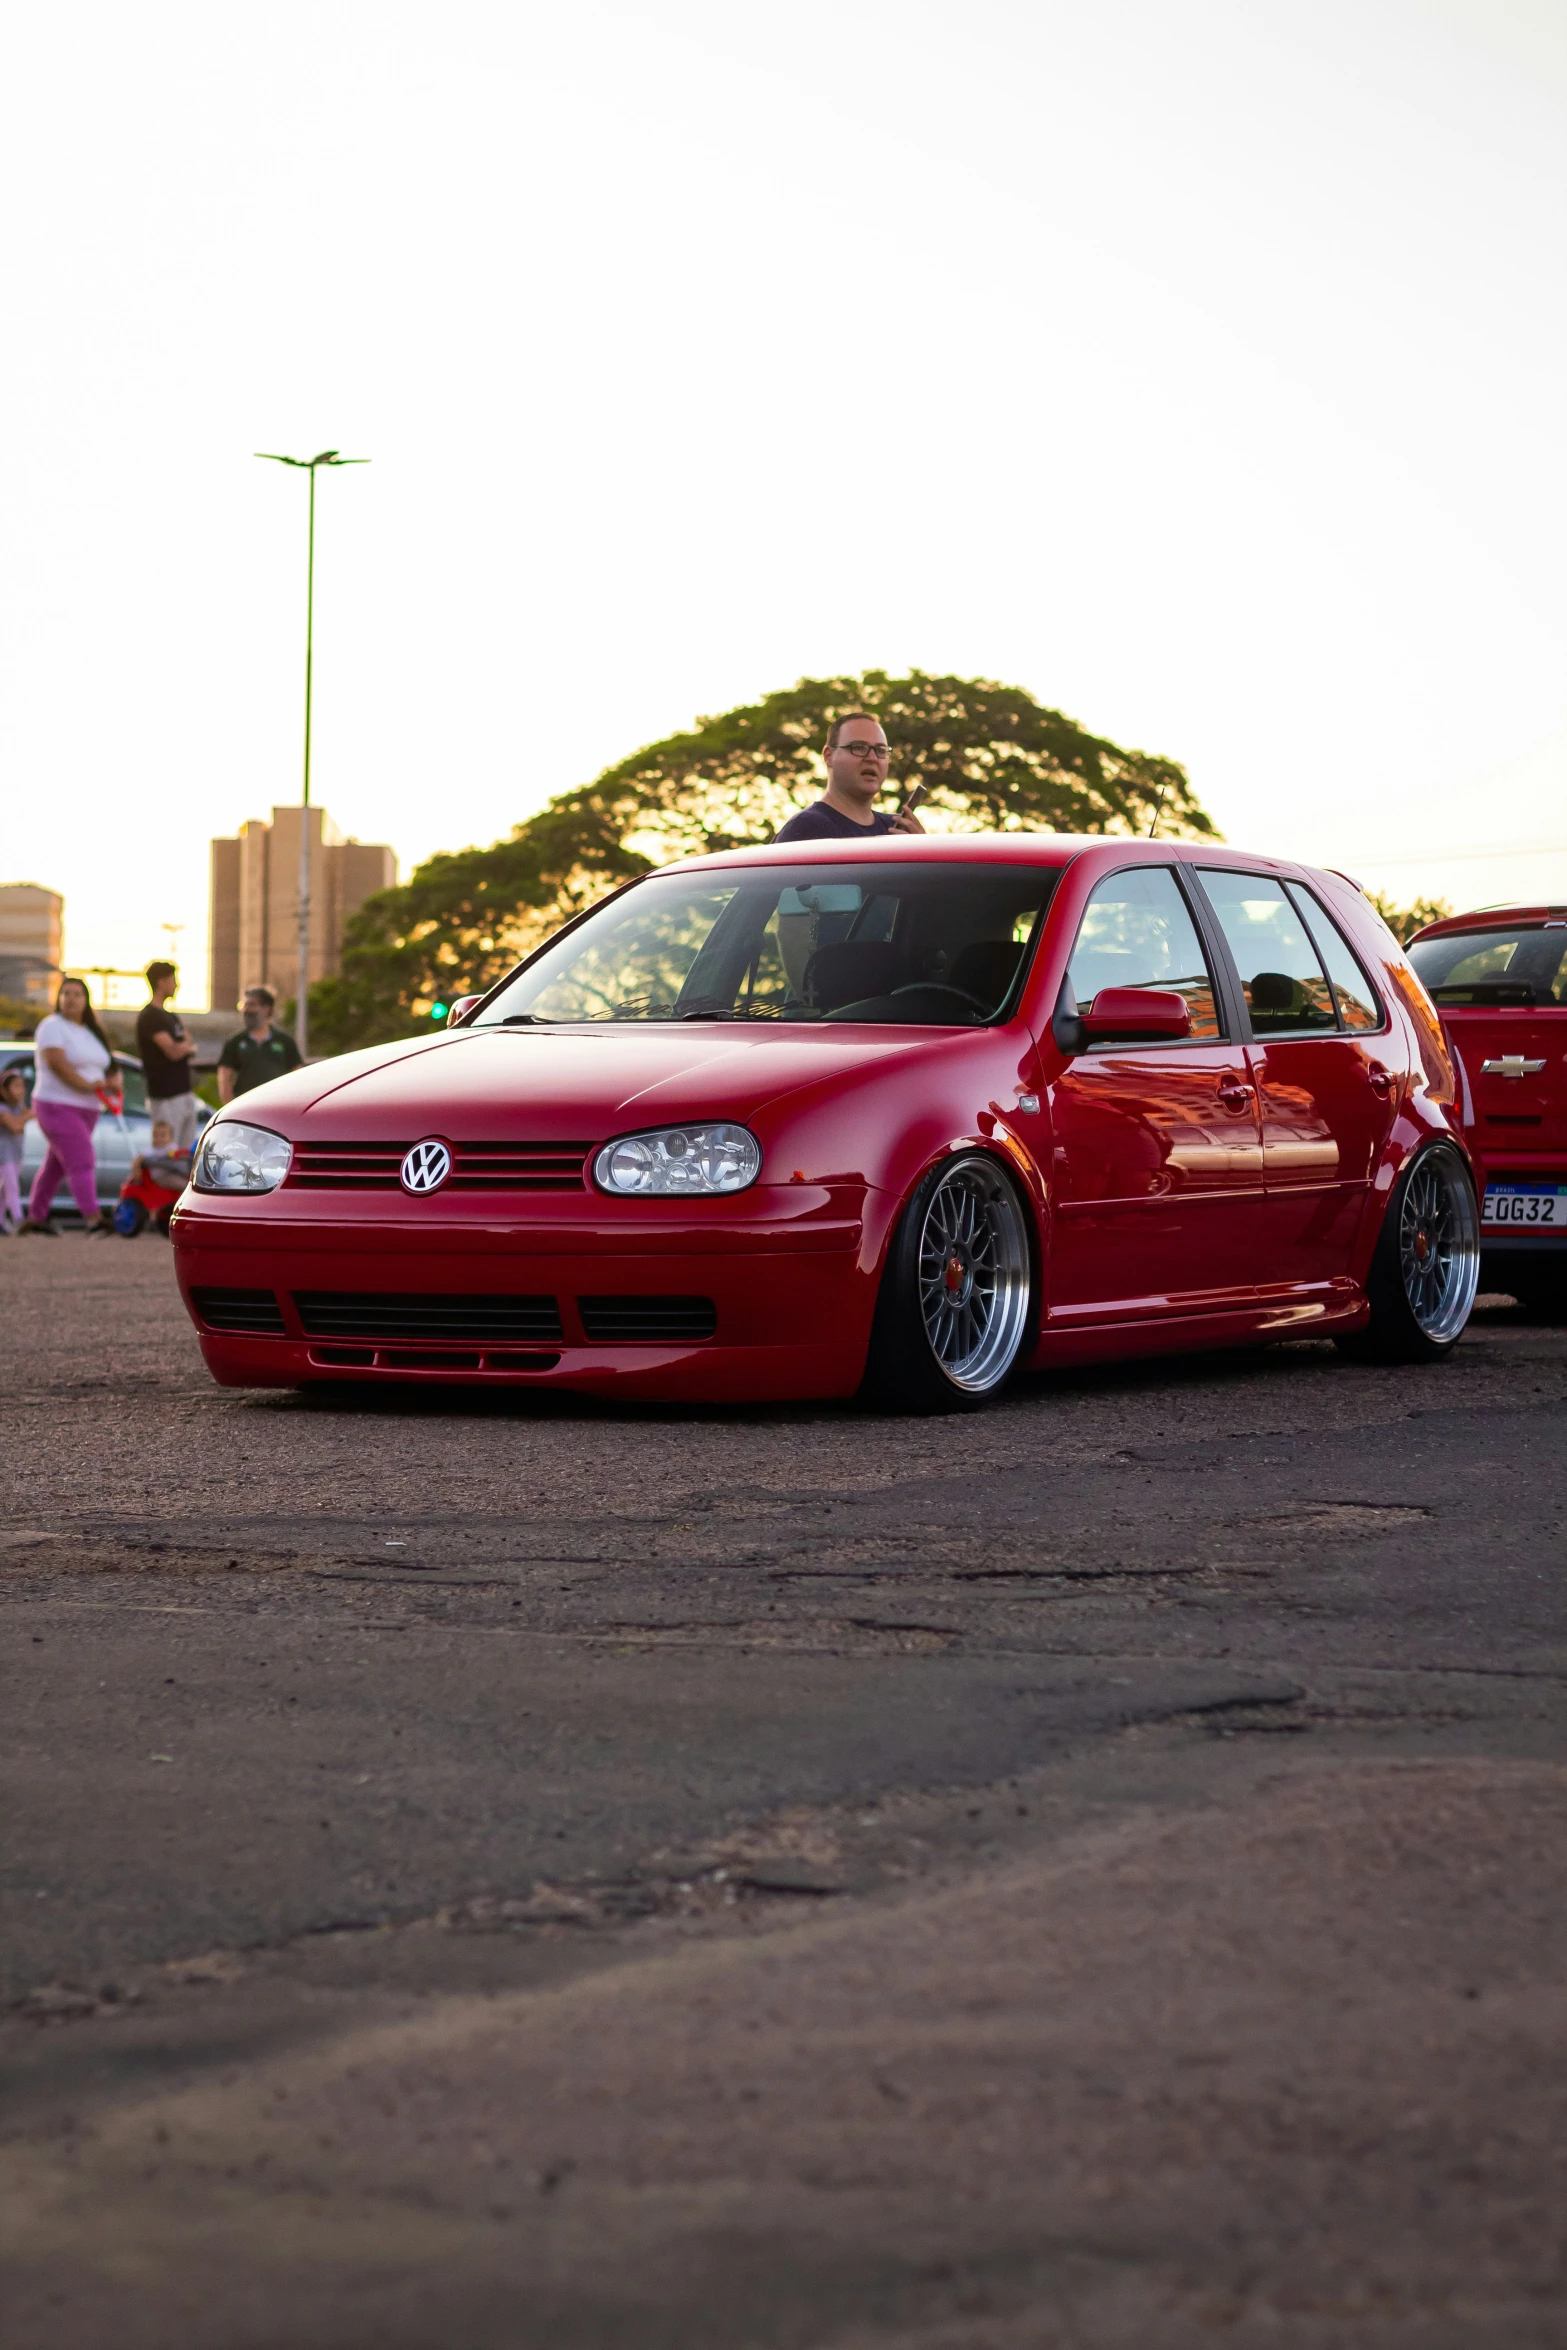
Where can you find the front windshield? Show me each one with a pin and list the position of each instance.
(940, 945)
(1518, 967)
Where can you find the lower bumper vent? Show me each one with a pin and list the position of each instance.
(255, 1312)
(648, 1318)
(413, 1358)
(369, 1314)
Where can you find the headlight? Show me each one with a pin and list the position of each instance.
(234, 1157)
(680, 1160)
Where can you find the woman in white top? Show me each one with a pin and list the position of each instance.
(74, 1073)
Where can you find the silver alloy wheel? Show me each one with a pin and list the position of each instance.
(1438, 1246)
(973, 1275)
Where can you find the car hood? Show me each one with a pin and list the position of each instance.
(555, 1085)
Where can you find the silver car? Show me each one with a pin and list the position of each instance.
(116, 1140)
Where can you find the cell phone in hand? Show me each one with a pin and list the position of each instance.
(914, 799)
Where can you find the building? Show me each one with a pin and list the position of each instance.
(32, 922)
(254, 939)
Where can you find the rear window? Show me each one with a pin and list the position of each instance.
(1352, 990)
(1522, 967)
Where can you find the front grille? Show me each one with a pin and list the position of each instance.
(476, 1166)
(254, 1311)
(648, 1317)
(356, 1313)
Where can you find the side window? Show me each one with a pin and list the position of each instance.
(1357, 1002)
(135, 1084)
(1136, 932)
(1286, 988)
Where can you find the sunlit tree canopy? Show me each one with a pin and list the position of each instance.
(1404, 921)
(992, 759)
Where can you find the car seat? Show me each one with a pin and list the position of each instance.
(985, 969)
(849, 971)
(1273, 999)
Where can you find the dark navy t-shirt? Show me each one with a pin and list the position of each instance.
(819, 822)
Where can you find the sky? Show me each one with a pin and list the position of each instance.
(1200, 368)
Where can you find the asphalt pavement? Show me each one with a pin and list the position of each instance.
(500, 1872)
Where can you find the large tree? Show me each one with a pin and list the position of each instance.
(991, 757)
(1404, 921)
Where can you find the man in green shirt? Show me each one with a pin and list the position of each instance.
(258, 1052)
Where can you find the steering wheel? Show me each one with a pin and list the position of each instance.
(940, 987)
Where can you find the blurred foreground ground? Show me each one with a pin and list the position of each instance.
(531, 1875)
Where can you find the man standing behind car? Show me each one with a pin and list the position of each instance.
(166, 1053)
(258, 1052)
(855, 755)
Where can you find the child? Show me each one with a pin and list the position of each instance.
(158, 1176)
(14, 1114)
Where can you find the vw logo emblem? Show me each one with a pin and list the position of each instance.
(425, 1168)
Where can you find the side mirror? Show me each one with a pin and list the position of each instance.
(1122, 1015)
(1137, 1015)
(463, 1004)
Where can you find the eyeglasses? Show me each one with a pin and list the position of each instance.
(867, 750)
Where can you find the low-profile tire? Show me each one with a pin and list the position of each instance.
(1425, 1270)
(956, 1304)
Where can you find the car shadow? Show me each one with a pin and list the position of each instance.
(1289, 1360)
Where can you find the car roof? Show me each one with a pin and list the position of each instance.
(984, 848)
(12, 1048)
(1491, 918)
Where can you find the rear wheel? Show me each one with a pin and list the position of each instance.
(956, 1301)
(1426, 1269)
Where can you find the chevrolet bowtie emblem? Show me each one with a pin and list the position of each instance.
(1512, 1065)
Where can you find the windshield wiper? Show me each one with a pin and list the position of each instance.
(523, 1020)
(726, 1012)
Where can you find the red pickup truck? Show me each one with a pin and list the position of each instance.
(1499, 980)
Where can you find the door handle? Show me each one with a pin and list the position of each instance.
(1234, 1092)
(1379, 1079)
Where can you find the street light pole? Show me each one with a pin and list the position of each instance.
(302, 994)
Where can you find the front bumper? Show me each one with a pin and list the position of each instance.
(790, 1270)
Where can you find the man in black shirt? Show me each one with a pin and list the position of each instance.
(258, 1052)
(856, 755)
(166, 1053)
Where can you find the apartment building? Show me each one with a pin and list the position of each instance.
(32, 924)
(254, 937)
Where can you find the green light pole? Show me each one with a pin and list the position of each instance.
(302, 997)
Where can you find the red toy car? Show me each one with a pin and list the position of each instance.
(902, 1114)
(142, 1202)
(1499, 980)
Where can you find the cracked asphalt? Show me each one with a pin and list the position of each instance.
(525, 1873)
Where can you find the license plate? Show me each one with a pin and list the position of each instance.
(1533, 1204)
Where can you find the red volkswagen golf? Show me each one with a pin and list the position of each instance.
(1499, 980)
(898, 1116)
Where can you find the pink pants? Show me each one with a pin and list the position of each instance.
(69, 1159)
(10, 1189)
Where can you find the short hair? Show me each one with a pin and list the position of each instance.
(166, 1123)
(265, 993)
(848, 719)
(157, 971)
